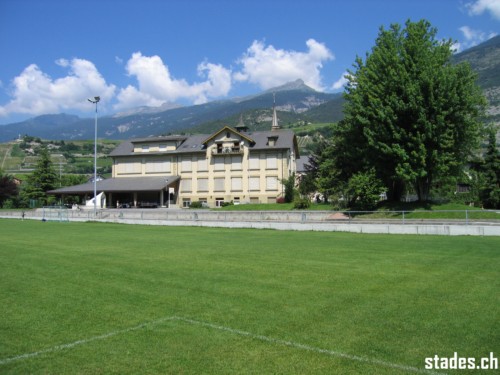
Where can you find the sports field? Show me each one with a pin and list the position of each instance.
(95, 298)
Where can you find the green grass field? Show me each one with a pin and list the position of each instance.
(95, 298)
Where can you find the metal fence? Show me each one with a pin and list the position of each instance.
(464, 217)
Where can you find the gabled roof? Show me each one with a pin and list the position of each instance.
(225, 129)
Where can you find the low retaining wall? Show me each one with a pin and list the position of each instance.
(432, 229)
(300, 221)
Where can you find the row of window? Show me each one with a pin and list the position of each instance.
(186, 202)
(236, 184)
(164, 166)
(159, 147)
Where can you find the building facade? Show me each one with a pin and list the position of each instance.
(230, 165)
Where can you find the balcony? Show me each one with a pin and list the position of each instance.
(227, 151)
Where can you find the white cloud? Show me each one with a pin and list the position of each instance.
(219, 78)
(480, 6)
(156, 85)
(341, 82)
(34, 92)
(270, 67)
(472, 38)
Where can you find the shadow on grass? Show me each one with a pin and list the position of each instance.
(392, 210)
(424, 211)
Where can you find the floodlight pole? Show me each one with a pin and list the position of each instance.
(95, 101)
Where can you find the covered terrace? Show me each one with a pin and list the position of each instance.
(128, 191)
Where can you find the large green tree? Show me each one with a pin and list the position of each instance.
(41, 180)
(410, 112)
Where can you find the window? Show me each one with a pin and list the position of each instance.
(157, 166)
(129, 167)
(219, 202)
(271, 200)
(236, 184)
(219, 184)
(254, 183)
(186, 185)
(145, 148)
(186, 202)
(186, 165)
(203, 184)
(271, 141)
(463, 188)
(163, 147)
(254, 162)
(219, 163)
(271, 162)
(272, 183)
(202, 164)
(254, 200)
(236, 163)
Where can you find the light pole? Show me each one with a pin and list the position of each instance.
(95, 101)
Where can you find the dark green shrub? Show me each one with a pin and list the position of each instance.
(196, 204)
(301, 203)
(289, 184)
(364, 190)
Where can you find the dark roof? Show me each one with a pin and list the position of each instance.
(123, 184)
(284, 139)
(124, 148)
(301, 163)
(160, 139)
(194, 143)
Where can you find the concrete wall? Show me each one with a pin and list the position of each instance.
(286, 220)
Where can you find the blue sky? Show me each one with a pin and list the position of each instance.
(57, 53)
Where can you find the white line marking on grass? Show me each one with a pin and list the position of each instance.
(271, 340)
(308, 348)
(84, 341)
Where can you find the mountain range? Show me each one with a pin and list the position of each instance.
(294, 97)
(485, 61)
(295, 102)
